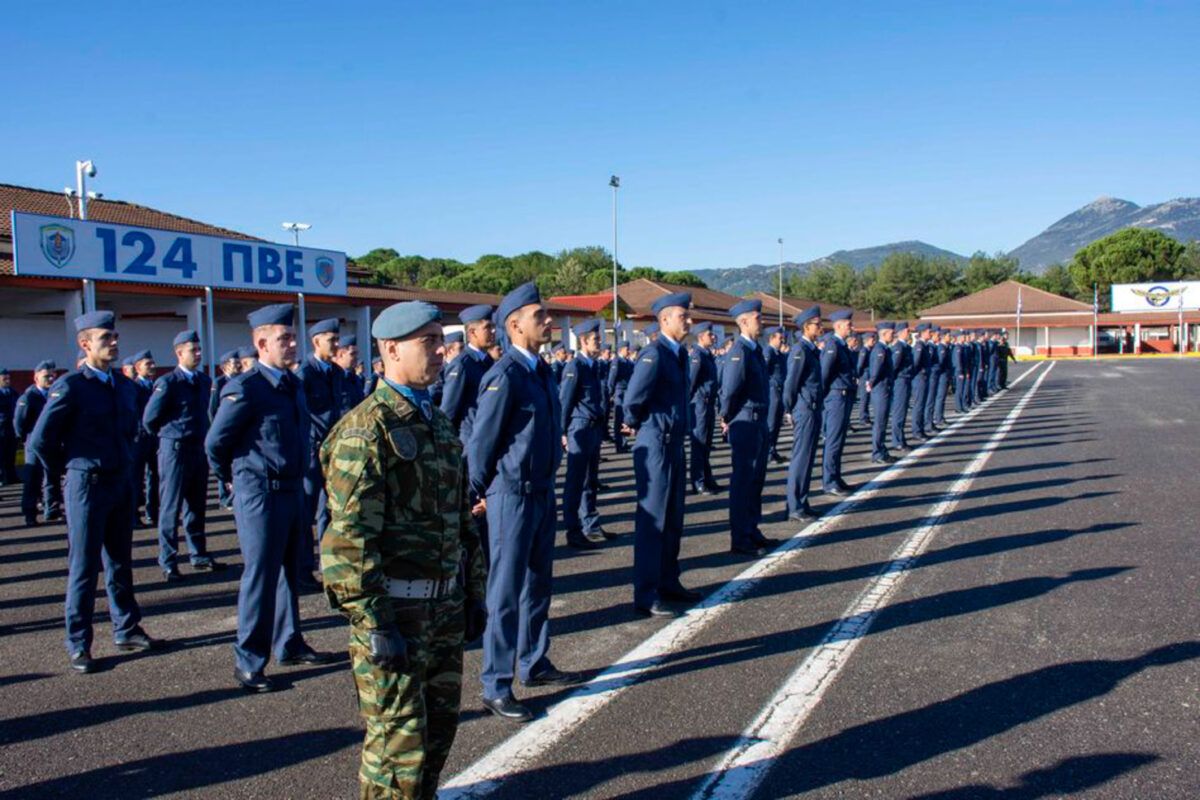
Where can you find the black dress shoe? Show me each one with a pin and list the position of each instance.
(307, 583)
(778, 459)
(608, 535)
(582, 542)
(208, 565)
(884, 459)
(845, 487)
(55, 517)
(31, 522)
(253, 681)
(508, 708)
(555, 677)
(803, 515)
(701, 489)
(82, 662)
(306, 658)
(713, 487)
(655, 609)
(173, 575)
(135, 641)
(837, 491)
(748, 550)
(681, 593)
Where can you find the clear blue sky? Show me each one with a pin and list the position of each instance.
(457, 129)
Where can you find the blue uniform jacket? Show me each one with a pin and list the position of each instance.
(352, 390)
(803, 376)
(214, 396)
(260, 434)
(777, 365)
(323, 394)
(880, 370)
(579, 395)
(88, 424)
(29, 408)
(515, 444)
(178, 408)
(902, 361)
(657, 396)
(837, 366)
(460, 395)
(8, 405)
(619, 375)
(744, 388)
(702, 375)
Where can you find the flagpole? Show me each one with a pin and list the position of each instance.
(1095, 320)
(1182, 341)
(1017, 343)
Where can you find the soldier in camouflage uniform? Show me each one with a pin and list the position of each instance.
(401, 559)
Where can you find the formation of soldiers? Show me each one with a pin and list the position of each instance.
(431, 484)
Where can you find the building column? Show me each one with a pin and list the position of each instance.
(72, 308)
(1137, 338)
(1046, 333)
(362, 329)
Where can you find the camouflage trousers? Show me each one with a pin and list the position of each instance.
(411, 716)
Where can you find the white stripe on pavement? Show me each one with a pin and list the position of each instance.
(747, 763)
(521, 751)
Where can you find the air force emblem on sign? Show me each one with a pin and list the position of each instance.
(58, 244)
(325, 271)
(1158, 296)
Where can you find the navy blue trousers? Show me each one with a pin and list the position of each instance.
(658, 468)
(39, 486)
(145, 474)
(749, 445)
(920, 398)
(269, 525)
(99, 532)
(579, 488)
(806, 428)
(521, 538)
(901, 390)
(881, 402)
(182, 493)
(939, 400)
(775, 411)
(701, 437)
(833, 428)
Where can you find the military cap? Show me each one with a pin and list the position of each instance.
(924, 326)
(404, 319)
(331, 325)
(229, 355)
(840, 314)
(558, 347)
(80, 354)
(885, 326)
(50, 365)
(186, 337)
(95, 319)
(524, 295)
(900, 326)
(682, 299)
(247, 352)
(377, 360)
(807, 314)
(701, 327)
(587, 326)
(278, 314)
(127, 362)
(142, 354)
(474, 314)
(745, 307)
(651, 329)
(348, 341)
(454, 336)
(868, 334)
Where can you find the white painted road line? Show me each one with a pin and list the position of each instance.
(521, 751)
(746, 764)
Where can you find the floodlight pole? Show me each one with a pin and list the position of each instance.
(615, 183)
(781, 282)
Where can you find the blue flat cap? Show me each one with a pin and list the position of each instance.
(701, 327)
(869, 334)
(80, 354)
(651, 329)
(50, 365)
(454, 336)
(807, 314)
(186, 337)
(682, 299)
(404, 319)
(924, 326)
(331, 325)
(587, 326)
(142, 355)
(278, 314)
(885, 326)
(247, 352)
(377, 360)
(524, 295)
(474, 314)
(558, 347)
(901, 326)
(228, 355)
(840, 314)
(95, 319)
(348, 341)
(127, 362)
(774, 329)
(745, 307)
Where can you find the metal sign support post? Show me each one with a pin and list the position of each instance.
(212, 332)
(301, 328)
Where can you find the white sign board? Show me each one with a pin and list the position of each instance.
(1156, 296)
(58, 247)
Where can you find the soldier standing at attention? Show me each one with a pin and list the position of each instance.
(39, 484)
(618, 380)
(230, 365)
(837, 376)
(145, 470)
(775, 354)
(392, 568)
(88, 428)
(656, 407)
(347, 359)
(248, 357)
(803, 394)
(702, 388)
(454, 347)
(742, 410)
(177, 413)
(960, 366)
(323, 394)
(922, 357)
(8, 439)
(582, 420)
(879, 387)
(862, 364)
(902, 372)
(513, 454)
(258, 443)
(1006, 355)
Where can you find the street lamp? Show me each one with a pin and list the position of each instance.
(780, 282)
(615, 183)
(296, 228)
(83, 171)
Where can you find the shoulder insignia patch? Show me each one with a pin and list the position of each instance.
(493, 388)
(231, 398)
(647, 360)
(404, 442)
(55, 394)
(735, 358)
(358, 433)
(162, 387)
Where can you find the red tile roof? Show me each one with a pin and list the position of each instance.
(1002, 299)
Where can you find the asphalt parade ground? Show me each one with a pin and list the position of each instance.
(1009, 612)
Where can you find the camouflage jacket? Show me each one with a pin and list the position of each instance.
(397, 499)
